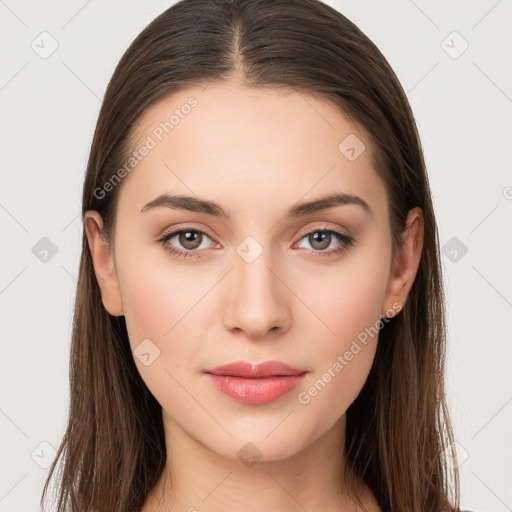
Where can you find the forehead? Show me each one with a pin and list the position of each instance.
(245, 147)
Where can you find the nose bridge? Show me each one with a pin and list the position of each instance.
(256, 301)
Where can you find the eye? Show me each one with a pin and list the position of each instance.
(321, 239)
(190, 239)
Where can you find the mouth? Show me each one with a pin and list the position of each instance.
(251, 370)
(255, 383)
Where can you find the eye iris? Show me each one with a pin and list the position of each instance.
(325, 239)
(190, 239)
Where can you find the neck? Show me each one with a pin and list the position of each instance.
(196, 479)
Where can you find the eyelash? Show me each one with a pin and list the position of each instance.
(346, 242)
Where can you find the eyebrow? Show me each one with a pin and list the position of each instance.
(196, 204)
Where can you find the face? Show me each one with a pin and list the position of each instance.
(259, 283)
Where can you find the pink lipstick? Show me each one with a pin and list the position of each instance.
(255, 383)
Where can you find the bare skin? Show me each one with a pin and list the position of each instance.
(257, 153)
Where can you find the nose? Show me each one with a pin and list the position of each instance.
(257, 298)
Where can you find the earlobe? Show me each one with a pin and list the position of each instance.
(103, 261)
(405, 264)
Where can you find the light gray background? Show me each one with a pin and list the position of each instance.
(463, 106)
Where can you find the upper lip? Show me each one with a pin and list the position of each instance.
(250, 370)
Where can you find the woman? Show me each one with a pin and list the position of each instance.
(259, 319)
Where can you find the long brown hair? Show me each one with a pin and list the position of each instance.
(398, 428)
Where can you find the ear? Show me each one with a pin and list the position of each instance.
(103, 261)
(405, 264)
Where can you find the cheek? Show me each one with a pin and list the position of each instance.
(162, 308)
(150, 305)
(158, 296)
(346, 327)
(167, 304)
(152, 308)
(345, 299)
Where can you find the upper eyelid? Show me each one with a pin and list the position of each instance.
(177, 231)
(323, 227)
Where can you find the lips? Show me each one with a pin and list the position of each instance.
(255, 384)
(255, 371)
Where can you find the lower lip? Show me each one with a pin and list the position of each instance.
(255, 391)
